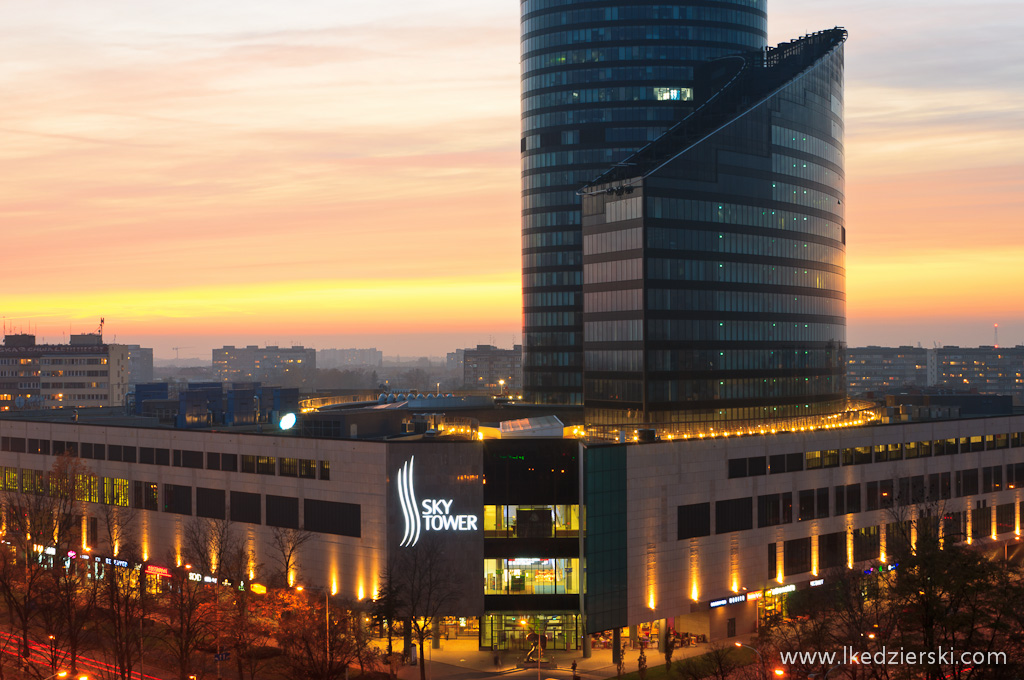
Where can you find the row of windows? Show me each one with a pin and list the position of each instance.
(613, 301)
(645, 13)
(529, 6)
(659, 268)
(559, 299)
(74, 374)
(621, 330)
(811, 109)
(741, 301)
(625, 114)
(734, 213)
(617, 270)
(546, 199)
(879, 453)
(595, 157)
(634, 34)
(597, 95)
(550, 339)
(74, 362)
(550, 239)
(559, 258)
(726, 417)
(544, 279)
(745, 244)
(548, 359)
(535, 319)
(589, 76)
(801, 141)
(739, 388)
(693, 521)
(808, 198)
(72, 385)
(551, 379)
(613, 241)
(746, 331)
(804, 169)
(746, 360)
(544, 180)
(613, 360)
(227, 462)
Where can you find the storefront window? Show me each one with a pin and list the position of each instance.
(531, 521)
(531, 576)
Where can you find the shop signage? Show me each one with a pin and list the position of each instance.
(718, 603)
(430, 514)
(818, 582)
(782, 589)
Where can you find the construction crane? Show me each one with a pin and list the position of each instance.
(176, 351)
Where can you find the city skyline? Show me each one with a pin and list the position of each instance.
(351, 178)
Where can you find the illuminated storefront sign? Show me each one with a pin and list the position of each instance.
(734, 599)
(819, 582)
(154, 570)
(430, 514)
(782, 589)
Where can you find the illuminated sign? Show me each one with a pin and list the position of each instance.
(756, 595)
(736, 599)
(154, 570)
(819, 582)
(430, 514)
(782, 589)
(718, 603)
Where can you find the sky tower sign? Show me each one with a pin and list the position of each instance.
(429, 514)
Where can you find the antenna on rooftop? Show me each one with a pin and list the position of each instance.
(995, 331)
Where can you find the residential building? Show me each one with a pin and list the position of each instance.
(87, 372)
(284, 366)
(985, 369)
(491, 367)
(349, 358)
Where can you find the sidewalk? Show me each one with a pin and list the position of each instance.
(461, 659)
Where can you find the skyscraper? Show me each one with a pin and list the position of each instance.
(599, 80)
(714, 276)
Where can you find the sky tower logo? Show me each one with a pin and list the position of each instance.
(430, 514)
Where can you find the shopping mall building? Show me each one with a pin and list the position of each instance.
(704, 536)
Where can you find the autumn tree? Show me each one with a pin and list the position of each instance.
(287, 544)
(123, 601)
(319, 635)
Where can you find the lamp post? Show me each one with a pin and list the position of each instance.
(779, 672)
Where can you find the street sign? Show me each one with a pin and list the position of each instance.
(223, 656)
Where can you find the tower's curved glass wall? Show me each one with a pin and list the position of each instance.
(715, 283)
(599, 80)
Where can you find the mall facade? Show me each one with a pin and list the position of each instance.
(704, 536)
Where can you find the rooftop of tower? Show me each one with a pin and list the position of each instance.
(737, 84)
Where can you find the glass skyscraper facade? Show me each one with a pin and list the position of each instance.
(714, 258)
(600, 80)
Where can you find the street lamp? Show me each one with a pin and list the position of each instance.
(61, 674)
(779, 672)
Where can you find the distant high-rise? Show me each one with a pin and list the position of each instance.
(599, 80)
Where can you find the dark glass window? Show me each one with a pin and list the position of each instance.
(146, 455)
(189, 459)
(146, 496)
(245, 507)
(249, 464)
(114, 452)
(1005, 518)
(307, 469)
(733, 515)
(163, 456)
(210, 503)
(178, 499)
(886, 493)
(212, 460)
(806, 509)
(282, 512)
(328, 517)
(229, 462)
(737, 468)
(773, 560)
(691, 520)
(797, 556)
(128, 454)
(777, 463)
(832, 550)
(867, 544)
(756, 466)
(852, 498)
(821, 506)
(325, 471)
(981, 522)
(266, 465)
(872, 496)
(840, 492)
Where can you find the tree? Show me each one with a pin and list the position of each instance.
(320, 636)
(123, 601)
(38, 513)
(287, 544)
(423, 583)
(386, 608)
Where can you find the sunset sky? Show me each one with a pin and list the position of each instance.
(343, 174)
